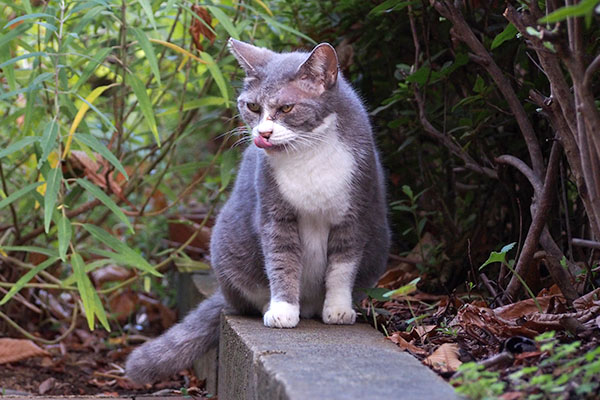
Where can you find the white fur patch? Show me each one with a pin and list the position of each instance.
(281, 314)
(337, 308)
(316, 181)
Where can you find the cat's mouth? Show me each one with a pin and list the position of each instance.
(264, 143)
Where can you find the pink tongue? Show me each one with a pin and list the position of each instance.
(260, 141)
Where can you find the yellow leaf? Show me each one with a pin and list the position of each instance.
(81, 113)
(178, 49)
(263, 5)
(53, 161)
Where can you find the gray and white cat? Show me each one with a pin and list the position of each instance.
(305, 225)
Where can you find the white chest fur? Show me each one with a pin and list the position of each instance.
(316, 182)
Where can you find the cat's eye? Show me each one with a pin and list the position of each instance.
(287, 108)
(254, 107)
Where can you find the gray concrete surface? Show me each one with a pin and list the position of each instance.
(318, 361)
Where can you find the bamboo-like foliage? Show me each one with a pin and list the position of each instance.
(104, 104)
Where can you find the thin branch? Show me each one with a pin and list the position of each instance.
(465, 34)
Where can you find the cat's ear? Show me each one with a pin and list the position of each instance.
(321, 66)
(250, 57)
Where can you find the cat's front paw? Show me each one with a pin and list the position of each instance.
(338, 315)
(282, 314)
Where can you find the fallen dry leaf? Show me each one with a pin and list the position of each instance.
(12, 350)
(405, 345)
(47, 385)
(444, 358)
(111, 273)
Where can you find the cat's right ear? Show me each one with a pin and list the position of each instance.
(251, 58)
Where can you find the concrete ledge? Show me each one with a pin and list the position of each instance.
(311, 361)
(318, 361)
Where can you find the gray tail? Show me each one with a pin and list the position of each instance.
(178, 347)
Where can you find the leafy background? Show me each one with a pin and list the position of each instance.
(119, 138)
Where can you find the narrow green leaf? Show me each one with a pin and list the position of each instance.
(148, 51)
(14, 33)
(26, 141)
(53, 182)
(85, 289)
(507, 34)
(18, 194)
(147, 7)
(389, 6)
(224, 20)
(107, 201)
(140, 92)
(215, 71)
(26, 17)
(126, 255)
(284, 27)
(32, 249)
(404, 290)
(98, 307)
(89, 267)
(26, 278)
(22, 57)
(48, 141)
(96, 145)
(584, 7)
(227, 165)
(91, 67)
(65, 231)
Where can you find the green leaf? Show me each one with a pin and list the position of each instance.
(584, 7)
(53, 182)
(88, 268)
(509, 32)
(22, 57)
(85, 290)
(403, 290)
(96, 145)
(389, 6)
(91, 67)
(107, 201)
(48, 141)
(284, 27)
(147, 7)
(32, 249)
(215, 71)
(479, 86)
(18, 194)
(498, 256)
(376, 293)
(227, 166)
(125, 254)
(17, 32)
(148, 51)
(26, 141)
(26, 17)
(26, 278)
(225, 21)
(65, 231)
(140, 92)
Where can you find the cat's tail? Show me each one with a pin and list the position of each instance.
(177, 348)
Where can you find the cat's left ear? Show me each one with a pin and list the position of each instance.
(321, 66)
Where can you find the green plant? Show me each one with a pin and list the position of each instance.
(112, 115)
(476, 383)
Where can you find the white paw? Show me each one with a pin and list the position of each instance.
(282, 314)
(337, 314)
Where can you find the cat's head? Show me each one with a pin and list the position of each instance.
(287, 96)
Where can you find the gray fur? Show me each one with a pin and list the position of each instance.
(256, 248)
